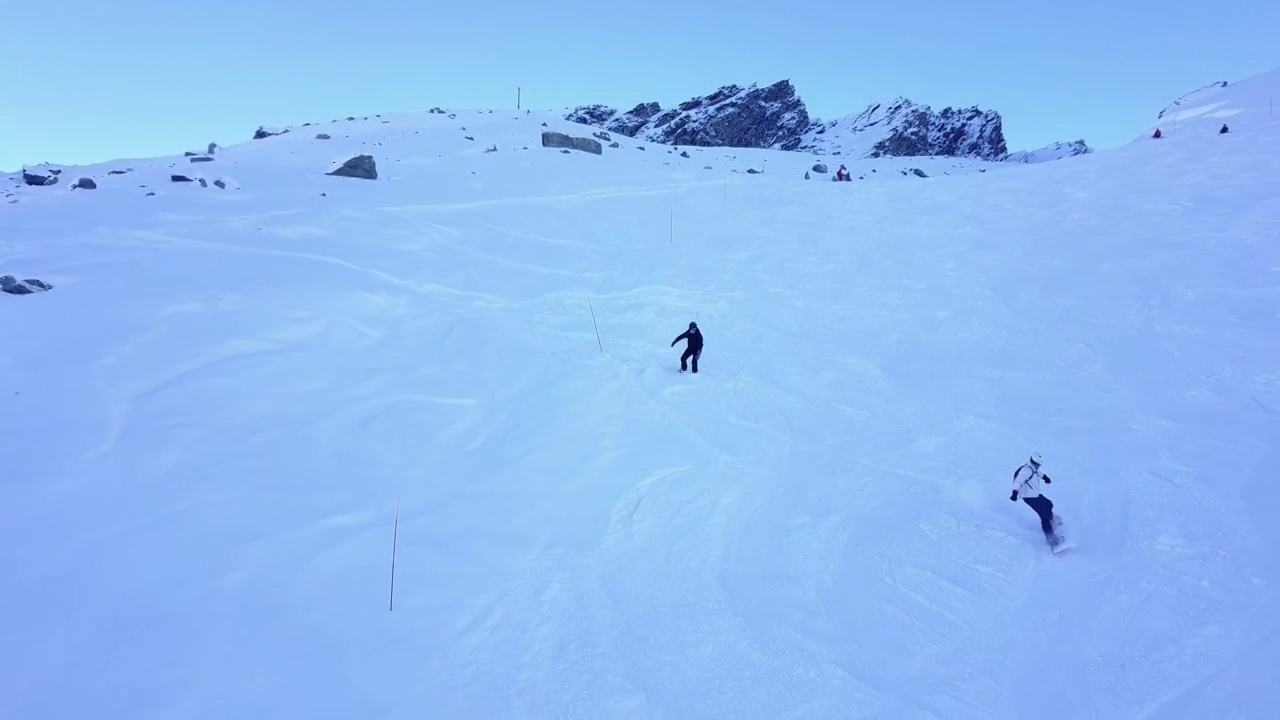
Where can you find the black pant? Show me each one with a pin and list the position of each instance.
(1044, 508)
(690, 353)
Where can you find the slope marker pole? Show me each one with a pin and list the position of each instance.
(593, 323)
(395, 531)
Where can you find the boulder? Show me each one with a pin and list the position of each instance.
(13, 286)
(38, 179)
(820, 168)
(561, 140)
(360, 166)
(86, 184)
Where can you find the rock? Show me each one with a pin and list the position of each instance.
(360, 166)
(820, 168)
(614, 144)
(180, 178)
(117, 172)
(55, 171)
(11, 285)
(640, 148)
(684, 153)
(561, 140)
(566, 151)
(189, 154)
(150, 194)
(85, 183)
(323, 136)
(201, 158)
(213, 147)
(202, 182)
(262, 133)
(707, 167)
(734, 116)
(1056, 151)
(753, 171)
(806, 175)
(602, 135)
(469, 138)
(491, 149)
(220, 184)
(919, 173)
(39, 180)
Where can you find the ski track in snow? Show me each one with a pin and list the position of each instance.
(214, 413)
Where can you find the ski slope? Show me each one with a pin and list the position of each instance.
(209, 421)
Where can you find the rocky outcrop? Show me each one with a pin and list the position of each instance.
(732, 116)
(1056, 151)
(13, 286)
(775, 117)
(39, 179)
(552, 139)
(360, 166)
(85, 183)
(903, 128)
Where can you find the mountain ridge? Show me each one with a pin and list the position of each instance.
(775, 117)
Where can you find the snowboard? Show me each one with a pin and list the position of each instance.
(1063, 543)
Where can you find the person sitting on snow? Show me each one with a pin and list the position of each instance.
(1026, 485)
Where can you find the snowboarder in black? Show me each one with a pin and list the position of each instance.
(1026, 484)
(691, 351)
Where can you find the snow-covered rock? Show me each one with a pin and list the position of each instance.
(775, 117)
(732, 116)
(904, 128)
(1056, 151)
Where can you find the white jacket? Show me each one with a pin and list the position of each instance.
(1026, 481)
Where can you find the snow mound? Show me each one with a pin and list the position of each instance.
(1243, 106)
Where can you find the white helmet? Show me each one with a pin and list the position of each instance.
(1036, 459)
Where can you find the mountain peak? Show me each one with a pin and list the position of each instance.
(774, 116)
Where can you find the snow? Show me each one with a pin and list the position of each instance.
(208, 423)
(1247, 104)
(1055, 151)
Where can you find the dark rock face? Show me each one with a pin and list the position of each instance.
(180, 178)
(39, 179)
(560, 140)
(13, 286)
(360, 166)
(262, 133)
(732, 116)
(967, 132)
(201, 158)
(775, 117)
(905, 129)
(85, 183)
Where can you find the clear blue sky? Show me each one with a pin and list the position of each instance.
(92, 80)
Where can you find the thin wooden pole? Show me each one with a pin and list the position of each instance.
(517, 97)
(394, 534)
(593, 323)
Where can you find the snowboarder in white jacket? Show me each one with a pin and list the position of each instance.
(1026, 485)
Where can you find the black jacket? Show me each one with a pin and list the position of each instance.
(694, 337)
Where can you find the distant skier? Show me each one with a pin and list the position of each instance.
(840, 174)
(693, 350)
(1157, 134)
(1026, 484)
(1224, 129)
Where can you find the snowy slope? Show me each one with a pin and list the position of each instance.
(1048, 153)
(209, 420)
(1242, 106)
